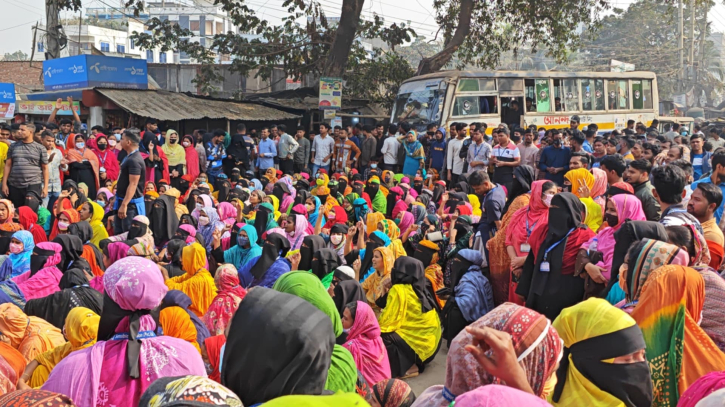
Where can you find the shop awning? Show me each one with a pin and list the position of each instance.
(172, 106)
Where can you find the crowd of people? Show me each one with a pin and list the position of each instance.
(558, 267)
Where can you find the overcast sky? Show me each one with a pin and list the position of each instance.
(18, 16)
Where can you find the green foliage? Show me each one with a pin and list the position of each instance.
(15, 56)
(377, 79)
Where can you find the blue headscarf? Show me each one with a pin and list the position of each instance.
(382, 237)
(360, 208)
(256, 185)
(312, 218)
(207, 232)
(473, 293)
(21, 261)
(237, 255)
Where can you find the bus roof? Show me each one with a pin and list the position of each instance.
(455, 74)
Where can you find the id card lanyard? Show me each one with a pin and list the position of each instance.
(526, 247)
(545, 266)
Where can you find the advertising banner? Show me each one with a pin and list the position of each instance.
(330, 93)
(83, 71)
(46, 108)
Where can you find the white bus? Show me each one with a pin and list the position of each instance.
(544, 99)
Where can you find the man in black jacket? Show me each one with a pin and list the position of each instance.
(237, 153)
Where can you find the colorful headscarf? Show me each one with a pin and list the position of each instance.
(393, 393)
(366, 345)
(229, 295)
(188, 391)
(176, 322)
(497, 395)
(35, 398)
(653, 255)
(21, 261)
(702, 388)
(11, 210)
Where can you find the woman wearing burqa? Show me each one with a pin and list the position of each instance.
(272, 263)
(547, 281)
(174, 249)
(310, 245)
(74, 292)
(278, 344)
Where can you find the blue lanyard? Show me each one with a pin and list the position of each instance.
(546, 253)
(528, 231)
(141, 335)
(103, 160)
(129, 155)
(476, 150)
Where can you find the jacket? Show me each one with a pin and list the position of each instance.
(705, 161)
(368, 147)
(650, 205)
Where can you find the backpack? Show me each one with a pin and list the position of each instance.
(464, 148)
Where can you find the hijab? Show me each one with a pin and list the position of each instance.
(523, 178)
(324, 262)
(72, 250)
(29, 221)
(275, 246)
(408, 270)
(74, 292)
(175, 322)
(297, 236)
(164, 221)
(21, 261)
(524, 220)
(264, 214)
(298, 336)
(346, 292)
(176, 298)
(308, 287)
(238, 255)
(629, 233)
(650, 255)
(311, 244)
(191, 391)
(366, 345)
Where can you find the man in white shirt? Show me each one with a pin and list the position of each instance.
(390, 153)
(479, 151)
(453, 161)
(321, 151)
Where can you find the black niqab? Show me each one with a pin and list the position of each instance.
(260, 221)
(424, 254)
(630, 232)
(523, 178)
(324, 262)
(274, 246)
(137, 230)
(174, 248)
(346, 292)
(163, 219)
(408, 270)
(279, 190)
(278, 344)
(72, 250)
(191, 200)
(310, 245)
(39, 258)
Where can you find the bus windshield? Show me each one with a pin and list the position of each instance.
(418, 104)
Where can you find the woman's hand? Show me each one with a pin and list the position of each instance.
(584, 191)
(351, 233)
(216, 238)
(295, 260)
(517, 262)
(595, 272)
(356, 266)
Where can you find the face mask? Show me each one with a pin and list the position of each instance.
(612, 220)
(373, 166)
(172, 141)
(186, 144)
(336, 239)
(199, 206)
(16, 248)
(397, 221)
(63, 225)
(203, 220)
(320, 182)
(112, 142)
(118, 137)
(310, 208)
(102, 146)
(80, 145)
(102, 203)
(547, 199)
(557, 143)
(242, 241)
(331, 216)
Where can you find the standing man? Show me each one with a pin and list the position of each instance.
(528, 150)
(287, 147)
(453, 160)
(54, 157)
(380, 138)
(669, 182)
(302, 155)
(390, 150)
(705, 199)
(699, 158)
(343, 153)
(479, 152)
(505, 157)
(129, 190)
(26, 168)
(554, 160)
(200, 149)
(237, 153)
(715, 139)
(637, 175)
(674, 132)
(215, 155)
(267, 152)
(600, 151)
(368, 145)
(614, 166)
(438, 151)
(322, 147)
(717, 178)
(65, 138)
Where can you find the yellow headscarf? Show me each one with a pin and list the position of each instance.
(393, 232)
(476, 204)
(275, 205)
(193, 258)
(197, 282)
(372, 221)
(582, 176)
(81, 329)
(577, 178)
(326, 180)
(175, 153)
(175, 322)
(96, 221)
(593, 317)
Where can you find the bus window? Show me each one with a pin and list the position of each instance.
(417, 104)
(537, 95)
(470, 105)
(571, 95)
(642, 94)
(468, 85)
(487, 85)
(618, 94)
(592, 94)
(510, 85)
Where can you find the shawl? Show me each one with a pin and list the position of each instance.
(106, 159)
(393, 393)
(594, 217)
(298, 235)
(214, 346)
(582, 177)
(372, 222)
(497, 395)
(678, 351)
(374, 284)
(472, 291)
(620, 188)
(312, 216)
(225, 304)
(35, 398)
(12, 366)
(324, 262)
(192, 158)
(713, 315)
(366, 345)
(379, 200)
(81, 329)
(702, 388)
(308, 287)
(536, 344)
(400, 206)
(29, 221)
(524, 220)
(176, 298)
(31, 336)
(239, 256)
(227, 213)
(599, 189)
(339, 218)
(175, 322)
(96, 222)
(393, 233)
(197, 283)
(74, 292)
(590, 319)
(406, 221)
(299, 335)
(134, 287)
(21, 261)
(377, 239)
(175, 153)
(75, 156)
(629, 207)
(207, 231)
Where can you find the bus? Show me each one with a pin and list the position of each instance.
(539, 98)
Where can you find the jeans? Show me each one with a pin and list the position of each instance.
(316, 167)
(49, 200)
(124, 225)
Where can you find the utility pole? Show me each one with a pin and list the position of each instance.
(52, 51)
(32, 47)
(681, 46)
(692, 33)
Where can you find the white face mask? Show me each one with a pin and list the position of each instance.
(186, 144)
(199, 206)
(203, 220)
(336, 239)
(547, 199)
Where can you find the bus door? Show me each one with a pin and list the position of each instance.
(511, 92)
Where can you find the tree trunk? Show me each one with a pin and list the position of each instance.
(439, 60)
(344, 37)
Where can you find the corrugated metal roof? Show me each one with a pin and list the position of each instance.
(172, 106)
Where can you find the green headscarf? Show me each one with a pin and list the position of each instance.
(398, 177)
(309, 287)
(342, 375)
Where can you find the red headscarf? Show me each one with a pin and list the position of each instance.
(72, 215)
(536, 213)
(106, 159)
(213, 346)
(340, 217)
(29, 221)
(192, 158)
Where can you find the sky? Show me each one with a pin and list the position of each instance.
(18, 16)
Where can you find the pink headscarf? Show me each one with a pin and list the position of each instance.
(225, 304)
(702, 388)
(45, 281)
(406, 221)
(192, 233)
(227, 213)
(600, 187)
(366, 345)
(208, 202)
(628, 207)
(295, 239)
(400, 206)
(497, 395)
(134, 283)
(301, 209)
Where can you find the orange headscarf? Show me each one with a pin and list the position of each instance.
(12, 366)
(11, 210)
(175, 322)
(72, 215)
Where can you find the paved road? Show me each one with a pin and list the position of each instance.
(435, 373)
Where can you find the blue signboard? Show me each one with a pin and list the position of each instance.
(7, 93)
(85, 71)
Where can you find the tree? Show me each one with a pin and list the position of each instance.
(15, 56)
(478, 32)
